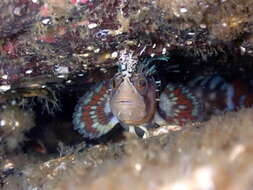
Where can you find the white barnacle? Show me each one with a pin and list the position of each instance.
(8, 165)
(36, 1)
(104, 70)
(85, 67)
(203, 26)
(4, 88)
(191, 33)
(5, 77)
(2, 123)
(92, 25)
(114, 55)
(243, 50)
(28, 71)
(82, 55)
(164, 51)
(62, 70)
(61, 76)
(46, 21)
(97, 50)
(183, 10)
(188, 42)
(85, 55)
(90, 48)
(81, 74)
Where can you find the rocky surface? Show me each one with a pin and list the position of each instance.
(213, 155)
(60, 38)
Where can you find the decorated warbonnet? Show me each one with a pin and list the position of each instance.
(131, 99)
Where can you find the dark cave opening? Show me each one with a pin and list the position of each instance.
(51, 129)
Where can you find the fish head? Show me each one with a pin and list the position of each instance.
(133, 98)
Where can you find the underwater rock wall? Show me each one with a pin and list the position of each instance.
(64, 37)
(216, 155)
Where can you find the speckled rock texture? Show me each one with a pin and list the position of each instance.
(65, 37)
(215, 155)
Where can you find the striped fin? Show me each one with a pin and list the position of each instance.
(214, 92)
(196, 81)
(214, 82)
(177, 105)
(219, 95)
(93, 117)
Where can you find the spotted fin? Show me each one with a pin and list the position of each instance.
(93, 117)
(177, 105)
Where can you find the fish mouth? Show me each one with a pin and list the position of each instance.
(129, 104)
(125, 102)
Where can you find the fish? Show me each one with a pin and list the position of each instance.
(132, 99)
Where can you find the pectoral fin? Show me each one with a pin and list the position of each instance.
(178, 105)
(93, 116)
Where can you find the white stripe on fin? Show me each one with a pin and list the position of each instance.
(205, 81)
(194, 82)
(229, 100)
(215, 81)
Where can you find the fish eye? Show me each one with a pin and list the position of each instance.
(141, 84)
